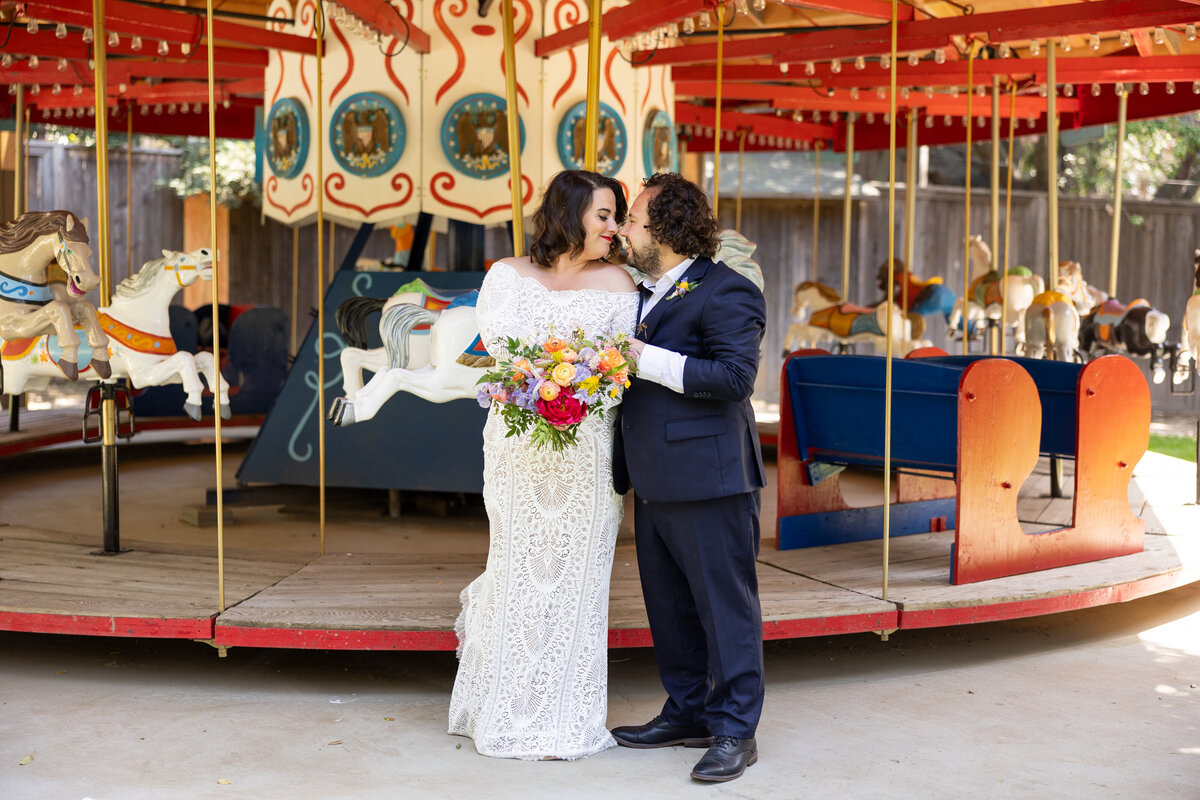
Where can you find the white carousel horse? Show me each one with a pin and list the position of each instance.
(446, 363)
(1051, 327)
(846, 323)
(140, 346)
(44, 280)
(1082, 294)
(1189, 345)
(989, 288)
(807, 295)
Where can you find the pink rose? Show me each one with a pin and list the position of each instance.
(562, 410)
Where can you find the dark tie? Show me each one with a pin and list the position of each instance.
(647, 291)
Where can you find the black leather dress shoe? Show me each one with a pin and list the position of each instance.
(726, 759)
(660, 733)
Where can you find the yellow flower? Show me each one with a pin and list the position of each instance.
(548, 390)
(591, 384)
(563, 374)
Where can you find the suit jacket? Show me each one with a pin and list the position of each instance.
(701, 444)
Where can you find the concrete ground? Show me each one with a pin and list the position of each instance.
(1100, 703)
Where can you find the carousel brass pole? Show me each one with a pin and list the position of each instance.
(514, 128)
(996, 346)
(720, 10)
(1012, 133)
(847, 206)
(737, 224)
(891, 260)
(295, 284)
(320, 35)
(969, 120)
(817, 209)
(592, 118)
(910, 192)
(216, 302)
(108, 390)
(1114, 250)
(1052, 155)
(18, 162)
(128, 189)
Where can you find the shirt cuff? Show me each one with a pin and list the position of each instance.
(661, 366)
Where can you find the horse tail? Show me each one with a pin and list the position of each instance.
(1048, 321)
(395, 326)
(352, 317)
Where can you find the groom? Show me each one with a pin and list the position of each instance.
(687, 444)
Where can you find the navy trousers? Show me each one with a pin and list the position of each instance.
(697, 564)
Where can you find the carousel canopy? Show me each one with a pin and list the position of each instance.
(792, 72)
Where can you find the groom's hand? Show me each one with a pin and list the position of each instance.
(636, 345)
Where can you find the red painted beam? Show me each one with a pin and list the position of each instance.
(44, 44)
(875, 9)
(763, 125)
(622, 22)
(79, 625)
(386, 19)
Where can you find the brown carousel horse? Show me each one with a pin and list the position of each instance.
(44, 281)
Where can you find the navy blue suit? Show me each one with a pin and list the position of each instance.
(694, 463)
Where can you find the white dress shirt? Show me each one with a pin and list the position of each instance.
(657, 364)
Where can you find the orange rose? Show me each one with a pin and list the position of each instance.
(610, 359)
(621, 376)
(563, 375)
(554, 344)
(548, 390)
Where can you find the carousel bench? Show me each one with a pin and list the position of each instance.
(966, 434)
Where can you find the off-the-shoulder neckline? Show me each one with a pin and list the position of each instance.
(548, 290)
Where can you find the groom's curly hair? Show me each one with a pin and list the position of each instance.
(680, 216)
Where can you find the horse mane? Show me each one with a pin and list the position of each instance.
(25, 229)
(140, 282)
(827, 292)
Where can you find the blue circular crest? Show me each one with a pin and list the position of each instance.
(287, 137)
(475, 136)
(660, 145)
(367, 134)
(612, 145)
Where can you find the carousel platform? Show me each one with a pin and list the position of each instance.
(393, 583)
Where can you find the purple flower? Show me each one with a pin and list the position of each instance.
(483, 394)
(582, 372)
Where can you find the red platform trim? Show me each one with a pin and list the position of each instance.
(79, 625)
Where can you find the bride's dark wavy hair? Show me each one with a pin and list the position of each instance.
(558, 222)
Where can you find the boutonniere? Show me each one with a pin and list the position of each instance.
(682, 287)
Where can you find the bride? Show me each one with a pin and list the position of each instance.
(532, 680)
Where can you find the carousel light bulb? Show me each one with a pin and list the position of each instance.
(1029, 122)
(78, 90)
(56, 89)
(32, 27)
(816, 116)
(1170, 87)
(135, 43)
(928, 122)
(929, 92)
(33, 62)
(91, 64)
(113, 39)
(939, 56)
(1126, 39)
(809, 68)
(954, 92)
(797, 116)
(1119, 88)
(946, 120)
(759, 5)
(1095, 90)
(35, 90)
(185, 48)
(980, 91)
(1189, 32)
(195, 108)
(171, 108)
(1159, 36)
(1065, 44)
(887, 118)
(58, 113)
(1069, 90)
(163, 48)
(689, 25)
(703, 22)
(903, 92)
(62, 65)
(1195, 87)
(870, 117)
(833, 116)
(158, 109)
(673, 30)
(979, 122)
(144, 109)
(1035, 48)
(854, 93)
(835, 66)
(913, 59)
(1042, 90)
(783, 68)
(60, 30)
(183, 109)
(832, 91)
(1094, 42)
(6, 60)
(225, 103)
(860, 62)
(885, 61)
(91, 111)
(741, 8)
(881, 92)
(70, 113)
(1005, 50)
(1143, 88)
(87, 35)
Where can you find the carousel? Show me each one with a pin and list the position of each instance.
(1002, 475)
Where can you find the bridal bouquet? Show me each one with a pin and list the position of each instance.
(551, 384)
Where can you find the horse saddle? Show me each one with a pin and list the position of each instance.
(1050, 297)
(846, 320)
(1111, 312)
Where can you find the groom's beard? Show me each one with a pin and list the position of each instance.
(648, 261)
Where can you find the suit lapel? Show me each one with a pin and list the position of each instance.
(692, 274)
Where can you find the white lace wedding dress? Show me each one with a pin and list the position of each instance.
(533, 674)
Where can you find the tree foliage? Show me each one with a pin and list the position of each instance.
(1161, 160)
